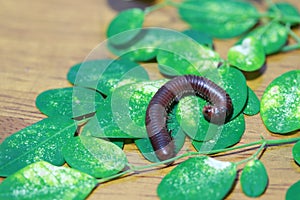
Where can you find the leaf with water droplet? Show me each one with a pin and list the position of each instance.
(254, 178)
(280, 103)
(296, 153)
(72, 102)
(42, 180)
(253, 103)
(128, 20)
(293, 192)
(40, 141)
(222, 19)
(198, 178)
(247, 56)
(101, 74)
(94, 156)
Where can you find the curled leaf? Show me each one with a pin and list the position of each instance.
(198, 178)
(96, 157)
(254, 178)
(42, 180)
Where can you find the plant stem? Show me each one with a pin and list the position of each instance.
(254, 156)
(156, 7)
(261, 142)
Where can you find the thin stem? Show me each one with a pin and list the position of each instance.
(261, 142)
(254, 156)
(156, 7)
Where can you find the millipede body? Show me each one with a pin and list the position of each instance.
(218, 110)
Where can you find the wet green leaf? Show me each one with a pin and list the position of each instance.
(131, 19)
(40, 141)
(247, 56)
(286, 12)
(222, 19)
(185, 56)
(280, 103)
(71, 102)
(101, 74)
(200, 37)
(296, 152)
(94, 156)
(42, 180)
(198, 178)
(144, 144)
(253, 103)
(220, 137)
(272, 36)
(254, 178)
(293, 192)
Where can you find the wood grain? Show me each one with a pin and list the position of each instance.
(41, 40)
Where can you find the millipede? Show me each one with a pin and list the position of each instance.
(218, 110)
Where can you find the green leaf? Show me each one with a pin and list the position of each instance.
(280, 103)
(101, 74)
(42, 180)
(286, 12)
(71, 102)
(146, 45)
(198, 178)
(40, 141)
(96, 157)
(253, 103)
(254, 178)
(221, 137)
(131, 19)
(200, 37)
(272, 36)
(293, 192)
(222, 19)
(296, 152)
(186, 56)
(145, 146)
(248, 56)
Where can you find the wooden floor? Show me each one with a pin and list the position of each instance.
(41, 40)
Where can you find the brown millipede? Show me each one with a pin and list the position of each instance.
(217, 111)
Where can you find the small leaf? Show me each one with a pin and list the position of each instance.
(131, 19)
(101, 74)
(293, 192)
(186, 56)
(248, 56)
(296, 152)
(254, 178)
(223, 136)
(253, 103)
(40, 141)
(198, 178)
(96, 157)
(272, 36)
(222, 19)
(286, 12)
(280, 103)
(71, 102)
(42, 180)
